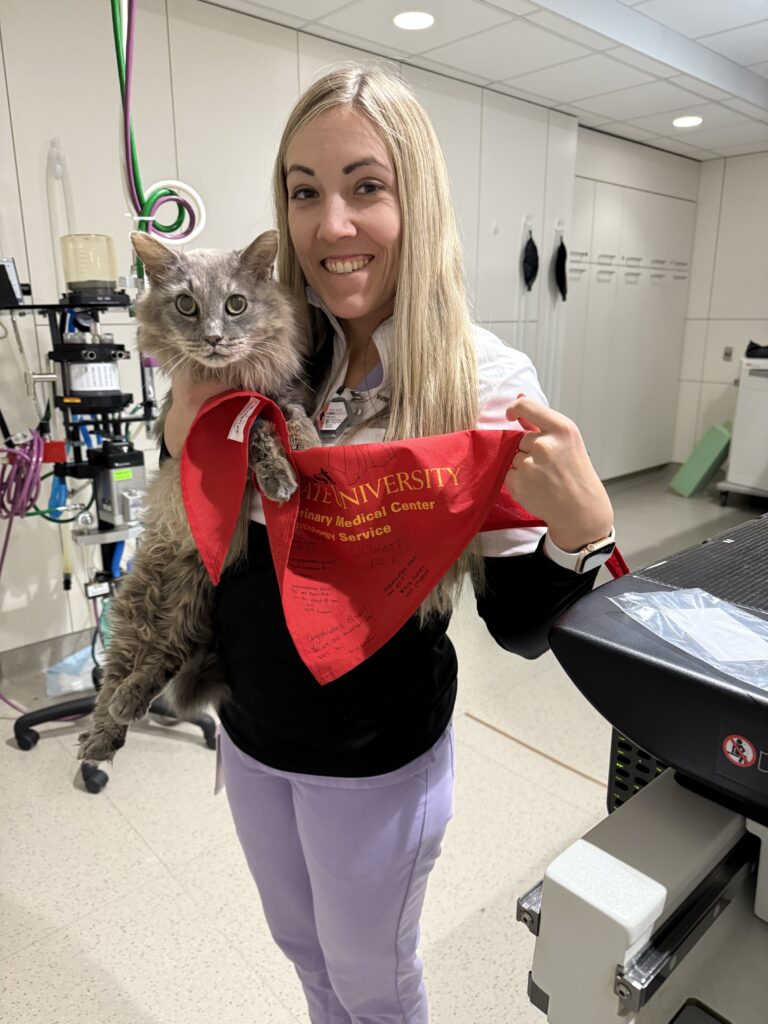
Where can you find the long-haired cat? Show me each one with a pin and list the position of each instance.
(221, 316)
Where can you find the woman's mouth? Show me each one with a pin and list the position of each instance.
(345, 264)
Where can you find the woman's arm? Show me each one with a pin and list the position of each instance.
(188, 397)
(523, 596)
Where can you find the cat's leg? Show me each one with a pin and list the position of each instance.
(301, 430)
(269, 462)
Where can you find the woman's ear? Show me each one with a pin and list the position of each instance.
(158, 259)
(259, 258)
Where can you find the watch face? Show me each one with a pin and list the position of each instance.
(597, 558)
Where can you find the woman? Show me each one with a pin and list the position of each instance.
(341, 794)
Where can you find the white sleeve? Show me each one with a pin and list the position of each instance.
(504, 373)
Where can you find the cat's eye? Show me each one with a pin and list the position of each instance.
(236, 304)
(186, 305)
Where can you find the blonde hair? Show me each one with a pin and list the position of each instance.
(433, 384)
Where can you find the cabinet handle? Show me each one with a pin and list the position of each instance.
(606, 256)
(657, 277)
(633, 273)
(679, 263)
(633, 259)
(658, 262)
(577, 252)
(608, 274)
(680, 277)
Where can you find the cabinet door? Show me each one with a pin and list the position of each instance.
(601, 330)
(606, 225)
(455, 111)
(681, 222)
(513, 163)
(579, 238)
(566, 395)
(636, 230)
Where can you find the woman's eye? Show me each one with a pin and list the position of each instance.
(236, 304)
(369, 188)
(186, 305)
(303, 193)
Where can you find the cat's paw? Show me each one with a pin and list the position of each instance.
(129, 703)
(100, 744)
(302, 433)
(277, 480)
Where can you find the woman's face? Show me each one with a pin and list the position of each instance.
(344, 214)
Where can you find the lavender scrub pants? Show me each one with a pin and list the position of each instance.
(341, 866)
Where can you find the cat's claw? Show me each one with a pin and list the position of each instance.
(99, 745)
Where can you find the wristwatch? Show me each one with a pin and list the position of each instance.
(590, 557)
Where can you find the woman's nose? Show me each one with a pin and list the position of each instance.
(336, 221)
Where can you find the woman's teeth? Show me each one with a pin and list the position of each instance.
(346, 266)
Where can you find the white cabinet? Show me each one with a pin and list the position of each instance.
(579, 238)
(597, 370)
(513, 160)
(606, 224)
(568, 388)
(455, 109)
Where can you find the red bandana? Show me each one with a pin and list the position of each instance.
(369, 532)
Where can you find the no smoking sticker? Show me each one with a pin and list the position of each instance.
(739, 751)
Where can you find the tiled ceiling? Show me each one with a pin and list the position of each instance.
(627, 67)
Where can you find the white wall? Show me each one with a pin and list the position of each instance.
(212, 88)
(728, 298)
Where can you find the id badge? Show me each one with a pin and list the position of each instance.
(333, 419)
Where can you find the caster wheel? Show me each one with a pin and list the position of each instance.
(94, 778)
(27, 738)
(724, 498)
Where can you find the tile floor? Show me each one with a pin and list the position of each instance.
(135, 906)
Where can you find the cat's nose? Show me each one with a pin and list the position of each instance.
(213, 339)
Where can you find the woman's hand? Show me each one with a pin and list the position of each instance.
(189, 396)
(552, 477)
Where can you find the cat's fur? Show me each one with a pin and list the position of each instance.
(161, 615)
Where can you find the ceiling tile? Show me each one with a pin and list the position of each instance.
(626, 131)
(326, 32)
(585, 117)
(454, 19)
(743, 150)
(640, 101)
(733, 135)
(760, 69)
(511, 6)
(639, 60)
(571, 30)
(274, 14)
(306, 10)
(750, 109)
(747, 45)
(714, 116)
(511, 49)
(694, 18)
(575, 79)
(702, 88)
(419, 61)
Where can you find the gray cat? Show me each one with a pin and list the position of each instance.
(221, 316)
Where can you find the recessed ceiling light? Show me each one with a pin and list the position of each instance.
(413, 20)
(687, 122)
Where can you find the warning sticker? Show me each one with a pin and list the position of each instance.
(739, 751)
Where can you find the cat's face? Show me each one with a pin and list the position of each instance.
(211, 308)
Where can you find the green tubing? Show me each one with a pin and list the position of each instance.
(146, 201)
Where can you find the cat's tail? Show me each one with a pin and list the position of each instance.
(199, 683)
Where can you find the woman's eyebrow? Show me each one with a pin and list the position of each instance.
(366, 161)
(300, 167)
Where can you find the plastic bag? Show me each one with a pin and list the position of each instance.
(72, 675)
(715, 631)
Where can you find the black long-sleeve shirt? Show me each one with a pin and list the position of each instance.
(391, 708)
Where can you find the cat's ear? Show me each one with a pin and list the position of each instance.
(158, 259)
(258, 259)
